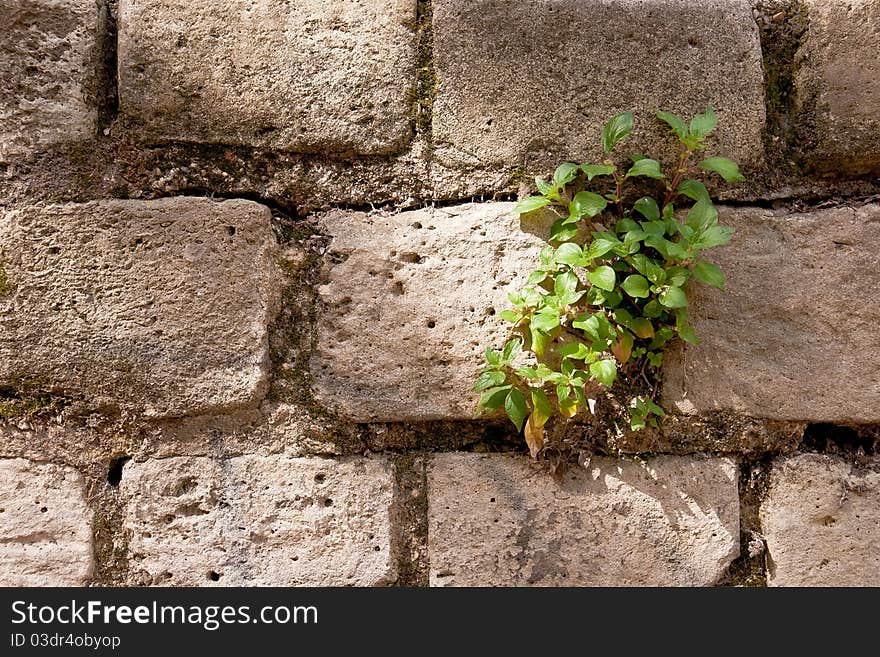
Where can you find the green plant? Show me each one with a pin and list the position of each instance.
(610, 289)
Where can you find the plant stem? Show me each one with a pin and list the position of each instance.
(682, 169)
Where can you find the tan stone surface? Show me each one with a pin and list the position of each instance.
(45, 525)
(500, 520)
(303, 75)
(794, 336)
(532, 82)
(260, 521)
(160, 306)
(821, 521)
(48, 68)
(408, 305)
(837, 86)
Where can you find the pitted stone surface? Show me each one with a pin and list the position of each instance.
(408, 305)
(45, 525)
(260, 521)
(531, 82)
(501, 520)
(794, 335)
(160, 307)
(821, 521)
(48, 65)
(301, 75)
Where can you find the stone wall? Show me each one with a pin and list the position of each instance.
(250, 253)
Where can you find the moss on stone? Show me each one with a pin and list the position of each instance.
(6, 286)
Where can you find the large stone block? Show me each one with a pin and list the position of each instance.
(49, 61)
(302, 75)
(503, 521)
(45, 525)
(409, 305)
(821, 520)
(794, 335)
(837, 86)
(260, 521)
(531, 82)
(157, 306)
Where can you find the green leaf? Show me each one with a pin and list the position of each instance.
(510, 316)
(493, 357)
(715, 236)
(616, 129)
(537, 277)
(710, 274)
(603, 277)
(494, 397)
(561, 231)
(625, 225)
(604, 371)
(602, 245)
(492, 378)
(546, 320)
(647, 207)
(687, 334)
(575, 350)
(642, 327)
(645, 167)
(679, 127)
(544, 187)
(540, 340)
(727, 169)
(673, 297)
(516, 408)
(703, 124)
(593, 170)
(541, 403)
(565, 173)
(511, 350)
(531, 204)
(587, 204)
(636, 286)
(565, 288)
(677, 276)
(570, 254)
(652, 309)
(702, 215)
(693, 189)
(589, 324)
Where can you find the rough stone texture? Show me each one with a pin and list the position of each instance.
(45, 525)
(500, 520)
(409, 306)
(794, 336)
(821, 521)
(48, 63)
(304, 75)
(838, 86)
(158, 306)
(260, 521)
(530, 83)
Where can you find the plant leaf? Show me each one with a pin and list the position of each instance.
(517, 410)
(708, 273)
(636, 286)
(593, 170)
(570, 254)
(587, 204)
(534, 434)
(679, 127)
(703, 124)
(604, 371)
(490, 379)
(511, 350)
(715, 236)
(622, 349)
(645, 167)
(673, 297)
(647, 207)
(494, 397)
(693, 189)
(642, 327)
(531, 204)
(617, 129)
(565, 173)
(603, 277)
(727, 169)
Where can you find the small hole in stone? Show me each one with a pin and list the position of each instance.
(328, 502)
(214, 576)
(416, 225)
(230, 230)
(491, 499)
(490, 311)
(377, 549)
(43, 509)
(431, 323)
(320, 477)
(54, 250)
(114, 472)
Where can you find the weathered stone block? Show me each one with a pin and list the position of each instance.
(531, 82)
(302, 75)
(260, 521)
(794, 336)
(49, 61)
(821, 520)
(837, 86)
(157, 306)
(503, 521)
(409, 305)
(45, 525)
